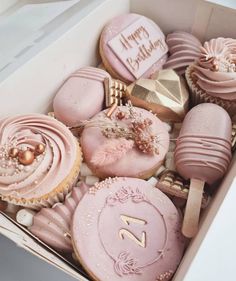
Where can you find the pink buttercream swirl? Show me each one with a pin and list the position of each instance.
(47, 170)
(124, 194)
(216, 56)
(125, 265)
(215, 70)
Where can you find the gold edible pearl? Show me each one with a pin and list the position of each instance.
(26, 157)
(215, 67)
(39, 149)
(13, 152)
(120, 115)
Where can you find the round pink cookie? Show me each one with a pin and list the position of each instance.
(116, 147)
(81, 96)
(132, 46)
(126, 230)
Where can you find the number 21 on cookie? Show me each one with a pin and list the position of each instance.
(125, 232)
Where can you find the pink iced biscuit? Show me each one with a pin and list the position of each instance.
(81, 96)
(132, 46)
(52, 225)
(184, 49)
(125, 152)
(125, 229)
(202, 154)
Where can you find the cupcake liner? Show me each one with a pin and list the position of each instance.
(197, 95)
(58, 194)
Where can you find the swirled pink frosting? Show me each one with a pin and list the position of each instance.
(184, 49)
(215, 70)
(52, 225)
(49, 169)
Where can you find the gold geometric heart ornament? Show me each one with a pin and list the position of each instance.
(165, 94)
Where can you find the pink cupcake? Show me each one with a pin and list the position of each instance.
(39, 160)
(213, 77)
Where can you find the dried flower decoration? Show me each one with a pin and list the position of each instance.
(217, 55)
(139, 131)
(111, 151)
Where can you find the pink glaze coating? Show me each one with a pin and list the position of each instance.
(215, 71)
(203, 148)
(49, 169)
(133, 163)
(110, 60)
(52, 225)
(81, 96)
(184, 49)
(125, 229)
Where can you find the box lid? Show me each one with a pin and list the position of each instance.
(28, 26)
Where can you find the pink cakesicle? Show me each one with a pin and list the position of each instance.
(81, 96)
(202, 154)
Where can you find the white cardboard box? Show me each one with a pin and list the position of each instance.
(67, 40)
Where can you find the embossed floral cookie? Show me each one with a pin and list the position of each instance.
(39, 160)
(132, 142)
(132, 46)
(126, 230)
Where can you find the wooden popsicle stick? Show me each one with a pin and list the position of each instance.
(193, 207)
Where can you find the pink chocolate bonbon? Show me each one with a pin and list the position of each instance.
(52, 225)
(125, 229)
(184, 49)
